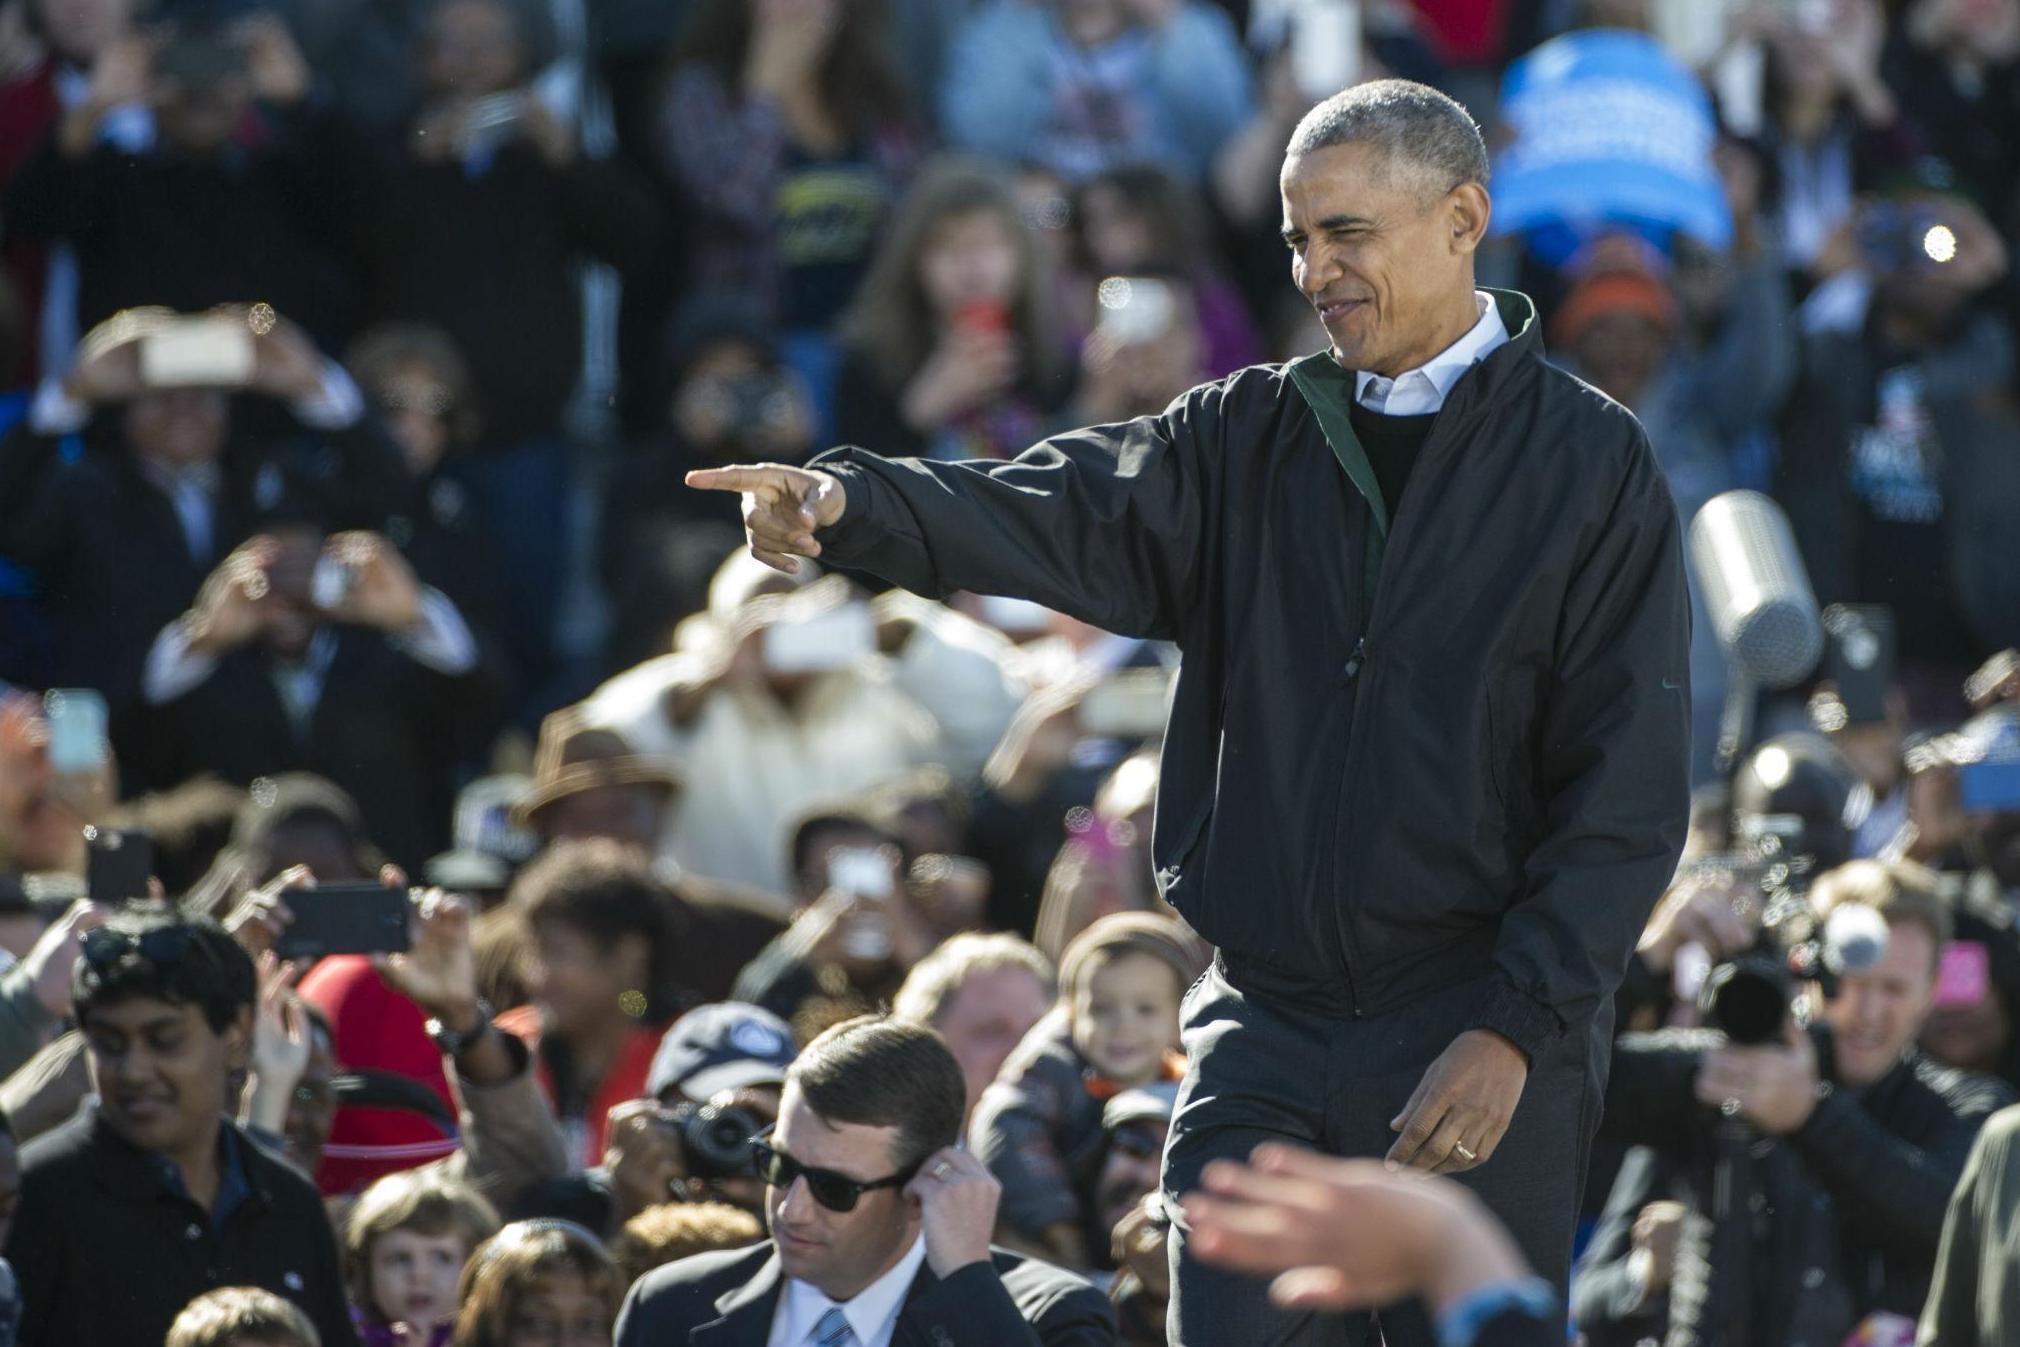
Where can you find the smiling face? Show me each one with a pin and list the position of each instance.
(1385, 257)
(160, 1072)
(1877, 1013)
(987, 1017)
(1125, 1017)
(560, 1309)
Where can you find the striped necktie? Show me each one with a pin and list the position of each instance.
(833, 1330)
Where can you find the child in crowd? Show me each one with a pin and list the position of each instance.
(541, 1281)
(405, 1247)
(672, 1231)
(1115, 1027)
(241, 1316)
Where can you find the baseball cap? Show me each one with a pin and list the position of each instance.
(1145, 1103)
(724, 1046)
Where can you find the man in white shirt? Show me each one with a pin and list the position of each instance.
(880, 1223)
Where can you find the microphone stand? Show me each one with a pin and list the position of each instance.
(1735, 723)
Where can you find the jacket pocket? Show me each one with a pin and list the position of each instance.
(1509, 767)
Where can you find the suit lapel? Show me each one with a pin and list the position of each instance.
(907, 1333)
(746, 1312)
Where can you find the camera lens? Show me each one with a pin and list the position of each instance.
(716, 1142)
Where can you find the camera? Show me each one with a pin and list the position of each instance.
(715, 1141)
(1749, 998)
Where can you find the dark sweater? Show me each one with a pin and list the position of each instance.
(1391, 443)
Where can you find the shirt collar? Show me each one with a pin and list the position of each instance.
(1443, 370)
(872, 1314)
(205, 477)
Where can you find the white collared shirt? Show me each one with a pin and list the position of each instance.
(872, 1315)
(1423, 390)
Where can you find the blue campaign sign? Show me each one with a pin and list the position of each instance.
(1606, 128)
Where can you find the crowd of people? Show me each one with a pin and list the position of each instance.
(351, 362)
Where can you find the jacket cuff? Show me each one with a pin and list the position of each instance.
(1518, 1017)
(967, 1292)
(858, 529)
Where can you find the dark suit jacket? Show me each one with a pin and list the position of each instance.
(727, 1300)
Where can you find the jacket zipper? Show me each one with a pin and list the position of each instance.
(1351, 679)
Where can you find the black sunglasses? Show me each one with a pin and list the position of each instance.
(836, 1192)
(160, 946)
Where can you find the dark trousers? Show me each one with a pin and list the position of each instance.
(1263, 1071)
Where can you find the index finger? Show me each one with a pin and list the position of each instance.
(734, 479)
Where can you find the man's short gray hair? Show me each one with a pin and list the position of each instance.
(1423, 134)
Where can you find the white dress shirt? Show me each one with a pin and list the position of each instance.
(1423, 390)
(872, 1315)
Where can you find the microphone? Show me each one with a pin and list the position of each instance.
(1756, 590)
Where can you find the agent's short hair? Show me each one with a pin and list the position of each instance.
(417, 1201)
(936, 979)
(675, 1230)
(874, 1071)
(241, 1316)
(1424, 135)
(1900, 891)
(195, 963)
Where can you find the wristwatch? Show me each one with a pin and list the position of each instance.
(454, 1043)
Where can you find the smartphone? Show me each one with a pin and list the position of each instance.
(118, 865)
(212, 351)
(1130, 705)
(1859, 659)
(983, 315)
(330, 583)
(824, 642)
(1989, 787)
(1136, 309)
(344, 919)
(1325, 47)
(863, 871)
(77, 730)
(1964, 977)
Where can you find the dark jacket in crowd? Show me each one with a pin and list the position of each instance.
(1852, 1203)
(109, 1249)
(111, 562)
(728, 1300)
(491, 259)
(1952, 584)
(386, 728)
(268, 218)
(1378, 780)
(440, 530)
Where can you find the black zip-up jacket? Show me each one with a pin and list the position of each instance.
(1474, 765)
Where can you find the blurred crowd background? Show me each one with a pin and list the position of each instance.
(352, 353)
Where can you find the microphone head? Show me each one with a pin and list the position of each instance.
(1755, 588)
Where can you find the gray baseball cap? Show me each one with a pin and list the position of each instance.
(1145, 1103)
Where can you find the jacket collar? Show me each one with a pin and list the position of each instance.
(745, 1310)
(127, 1172)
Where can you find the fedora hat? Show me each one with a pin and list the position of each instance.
(574, 756)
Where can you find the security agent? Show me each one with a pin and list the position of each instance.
(880, 1223)
(1425, 771)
